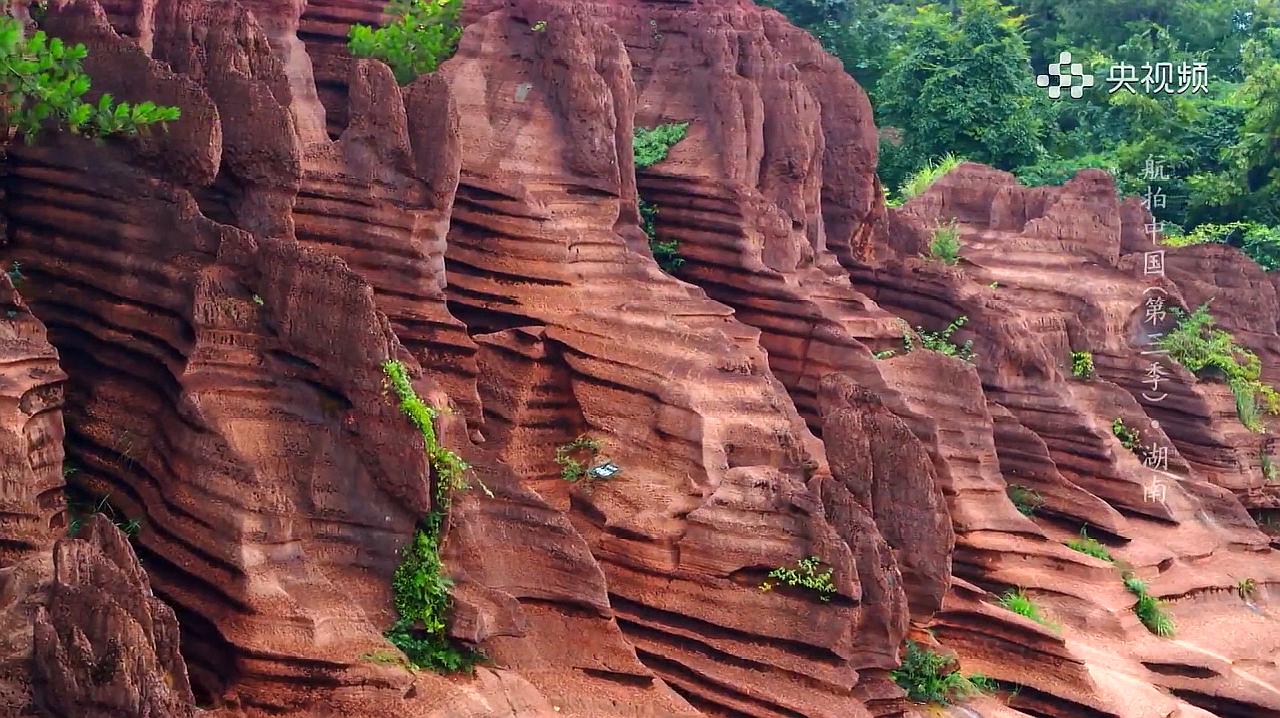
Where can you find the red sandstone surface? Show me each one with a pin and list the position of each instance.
(205, 311)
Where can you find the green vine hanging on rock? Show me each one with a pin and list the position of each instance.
(420, 584)
(650, 146)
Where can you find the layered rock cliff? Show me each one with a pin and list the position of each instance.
(220, 298)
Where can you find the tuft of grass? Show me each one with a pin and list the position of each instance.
(945, 245)
(1247, 406)
(1026, 500)
(924, 675)
(1090, 546)
(1149, 609)
(1017, 601)
(389, 657)
(924, 178)
(1246, 587)
(1082, 364)
(420, 585)
(885, 354)
(80, 505)
(804, 575)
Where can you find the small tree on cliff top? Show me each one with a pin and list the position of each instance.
(424, 34)
(42, 81)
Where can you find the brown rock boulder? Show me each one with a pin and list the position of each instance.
(105, 646)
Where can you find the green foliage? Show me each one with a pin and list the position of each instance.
(389, 658)
(957, 77)
(568, 456)
(1149, 609)
(80, 505)
(884, 354)
(42, 81)
(1090, 546)
(420, 585)
(924, 675)
(1246, 587)
(945, 245)
(1026, 500)
(258, 300)
(941, 341)
(1020, 603)
(1128, 436)
(16, 277)
(1260, 242)
(1196, 343)
(539, 26)
(651, 145)
(1082, 364)
(922, 179)
(423, 34)
(804, 575)
(665, 253)
(960, 83)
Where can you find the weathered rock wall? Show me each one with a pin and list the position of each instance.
(222, 296)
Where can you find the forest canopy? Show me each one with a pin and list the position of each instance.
(958, 78)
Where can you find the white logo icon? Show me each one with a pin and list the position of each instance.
(1064, 72)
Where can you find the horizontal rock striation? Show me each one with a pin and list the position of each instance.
(1044, 272)
(220, 299)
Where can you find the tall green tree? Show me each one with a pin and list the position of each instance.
(961, 83)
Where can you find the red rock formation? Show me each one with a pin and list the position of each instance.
(104, 645)
(31, 501)
(222, 296)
